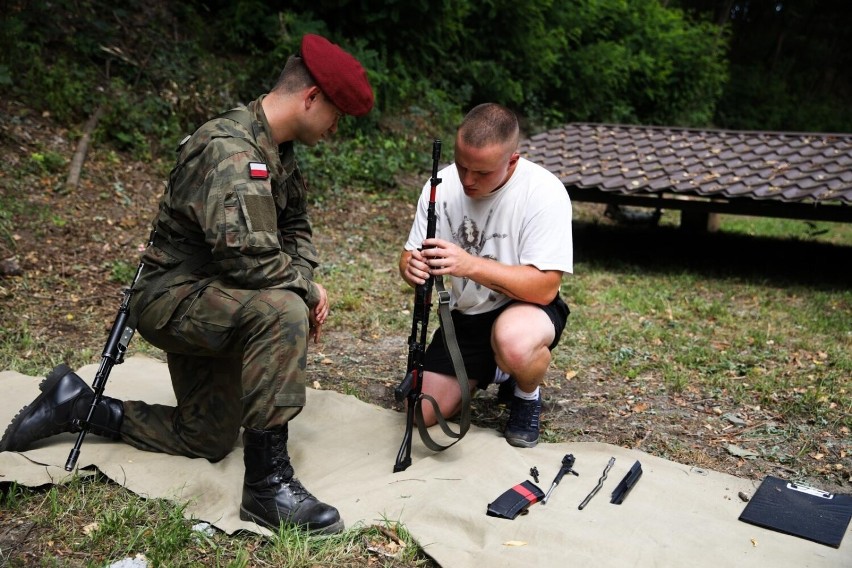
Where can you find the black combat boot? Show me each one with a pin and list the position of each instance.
(271, 493)
(64, 401)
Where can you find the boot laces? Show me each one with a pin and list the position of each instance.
(525, 414)
(285, 470)
(298, 489)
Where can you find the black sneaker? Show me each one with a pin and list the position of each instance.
(506, 391)
(522, 428)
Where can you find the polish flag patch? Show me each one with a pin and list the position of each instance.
(258, 170)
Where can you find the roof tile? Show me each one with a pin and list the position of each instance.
(761, 165)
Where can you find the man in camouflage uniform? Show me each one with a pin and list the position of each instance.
(228, 294)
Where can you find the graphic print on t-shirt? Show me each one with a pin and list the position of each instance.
(472, 239)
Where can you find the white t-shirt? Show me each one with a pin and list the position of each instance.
(525, 222)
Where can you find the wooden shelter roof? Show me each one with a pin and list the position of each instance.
(752, 170)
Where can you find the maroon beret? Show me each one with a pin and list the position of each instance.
(338, 74)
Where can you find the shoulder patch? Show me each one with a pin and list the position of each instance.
(258, 170)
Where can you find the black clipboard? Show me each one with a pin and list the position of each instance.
(799, 510)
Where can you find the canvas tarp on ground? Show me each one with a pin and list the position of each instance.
(344, 449)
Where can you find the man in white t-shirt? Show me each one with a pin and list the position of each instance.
(503, 234)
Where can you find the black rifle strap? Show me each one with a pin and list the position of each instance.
(461, 374)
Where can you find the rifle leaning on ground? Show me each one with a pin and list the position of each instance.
(116, 345)
(410, 389)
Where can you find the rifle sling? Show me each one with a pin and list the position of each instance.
(461, 374)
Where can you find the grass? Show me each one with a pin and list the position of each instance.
(785, 349)
(717, 314)
(824, 231)
(796, 229)
(91, 521)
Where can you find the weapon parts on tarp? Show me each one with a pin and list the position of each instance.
(626, 485)
(599, 485)
(567, 467)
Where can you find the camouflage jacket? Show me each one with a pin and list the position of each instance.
(234, 211)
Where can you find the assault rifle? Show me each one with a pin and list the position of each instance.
(116, 345)
(410, 389)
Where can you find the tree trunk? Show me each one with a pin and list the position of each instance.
(82, 148)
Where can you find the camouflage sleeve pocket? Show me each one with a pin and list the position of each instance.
(250, 218)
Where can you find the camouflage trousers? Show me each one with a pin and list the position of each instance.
(236, 358)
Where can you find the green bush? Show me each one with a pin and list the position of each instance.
(372, 156)
(46, 162)
(426, 63)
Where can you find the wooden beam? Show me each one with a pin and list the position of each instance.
(835, 211)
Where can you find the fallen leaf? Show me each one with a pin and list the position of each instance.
(514, 543)
(739, 452)
(90, 528)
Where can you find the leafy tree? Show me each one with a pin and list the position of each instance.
(608, 60)
(141, 61)
(638, 62)
(790, 63)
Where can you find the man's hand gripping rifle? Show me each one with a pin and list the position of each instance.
(116, 345)
(410, 388)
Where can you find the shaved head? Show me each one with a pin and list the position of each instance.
(489, 124)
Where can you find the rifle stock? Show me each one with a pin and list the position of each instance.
(410, 389)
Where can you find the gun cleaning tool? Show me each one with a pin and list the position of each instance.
(567, 467)
(599, 485)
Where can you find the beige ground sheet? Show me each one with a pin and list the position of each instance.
(344, 450)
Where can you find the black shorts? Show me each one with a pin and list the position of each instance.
(473, 333)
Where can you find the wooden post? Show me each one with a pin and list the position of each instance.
(699, 221)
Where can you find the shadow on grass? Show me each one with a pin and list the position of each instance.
(714, 255)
